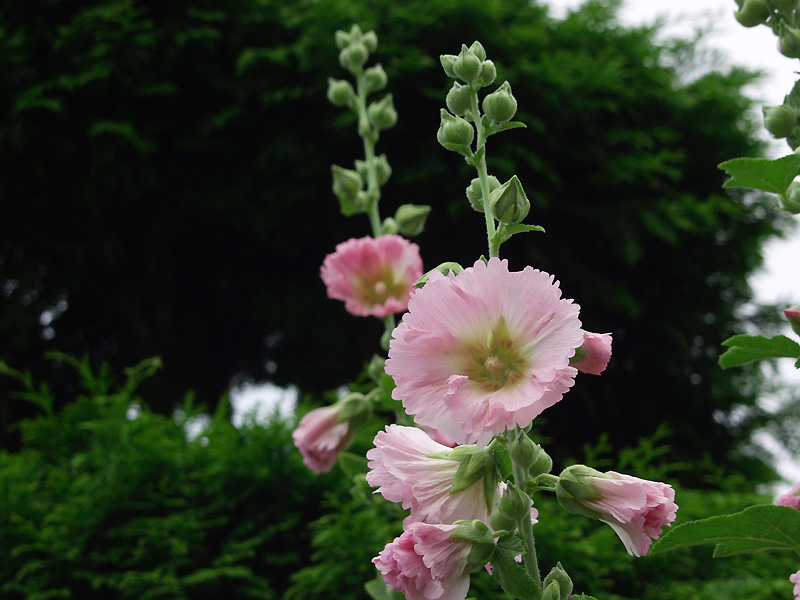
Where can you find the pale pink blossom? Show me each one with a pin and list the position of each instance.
(425, 564)
(373, 276)
(795, 579)
(598, 353)
(320, 437)
(793, 316)
(791, 498)
(403, 471)
(484, 350)
(437, 435)
(635, 508)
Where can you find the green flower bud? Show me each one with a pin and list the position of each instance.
(382, 169)
(467, 66)
(370, 40)
(552, 591)
(354, 409)
(509, 202)
(459, 99)
(375, 78)
(382, 114)
(500, 106)
(341, 93)
(542, 464)
(411, 218)
(454, 130)
(346, 182)
(477, 49)
(523, 451)
(342, 39)
(791, 200)
(353, 56)
(474, 194)
(445, 269)
(515, 504)
(558, 574)
(448, 64)
(789, 42)
(488, 73)
(792, 314)
(752, 13)
(390, 226)
(376, 368)
(780, 120)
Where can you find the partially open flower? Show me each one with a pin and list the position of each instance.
(321, 437)
(426, 563)
(635, 508)
(484, 350)
(404, 469)
(597, 349)
(791, 498)
(373, 276)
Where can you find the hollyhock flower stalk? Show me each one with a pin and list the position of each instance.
(373, 276)
(635, 508)
(484, 351)
(407, 466)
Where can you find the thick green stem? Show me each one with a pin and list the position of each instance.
(525, 527)
(369, 136)
(483, 176)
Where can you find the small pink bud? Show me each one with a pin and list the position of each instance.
(793, 315)
(597, 347)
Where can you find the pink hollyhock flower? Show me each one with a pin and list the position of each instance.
(403, 471)
(320, 437)
(791, 498)
(373, 276)
(795, 579)
(484, 350)
(437, 435)
(635, 508)
(425, 564)
(598, 353)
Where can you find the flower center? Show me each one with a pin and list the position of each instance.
(496, 362)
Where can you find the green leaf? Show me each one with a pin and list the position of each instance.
(761, 173)
(378, 590)
(512, 575)
(744, 349)
(352, 464)
(510, 125)
(760, 527)
(504, 232)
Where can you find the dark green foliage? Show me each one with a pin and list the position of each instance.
(105, 503)
(166, 191)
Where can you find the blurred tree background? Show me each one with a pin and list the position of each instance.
(166, 191)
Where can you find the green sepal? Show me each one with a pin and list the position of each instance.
(511, 575)
(756, 528)
(471, 470)
(743, 349)
(378, 590)
(762, 174)
(445, 269)
(353, 464)
(509, 125)
(552, 591)
(462, 149)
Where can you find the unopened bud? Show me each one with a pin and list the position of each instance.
(354, 409)
(488, 73)
(509, 202)
(523, 451)
(558, 574)
(793, 315)
(389, 226)
(342, 39)
(780, 120)
(376, 368)
(346, 182)
(752, 13)
(500, 106)
(353, 56)
(467, 66)
(790, 201)
(515, 504)
(477, 49)
(370, 40)
(789, 43)
(382, 114)
(382, 169)
(542, 464)
(341, 93)
(552, 591)
(448, 62)
(375, 78)
(411, 218)
(445, 269)
(475, 195)
(459, 99)
(454, 130)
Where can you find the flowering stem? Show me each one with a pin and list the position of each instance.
(525, 526)
(483, 175)
(369, 136)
